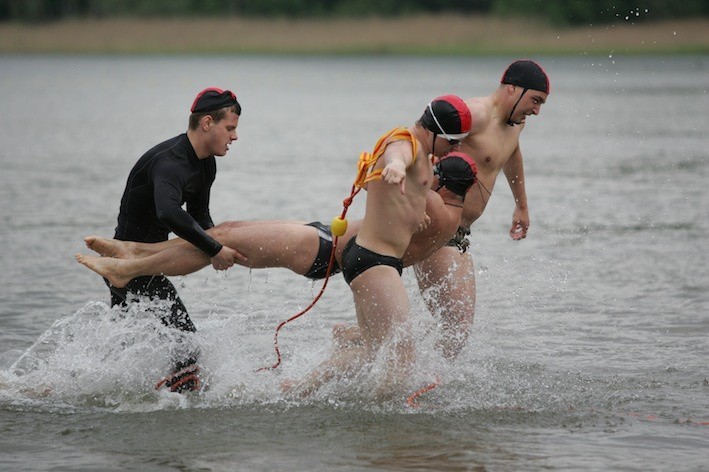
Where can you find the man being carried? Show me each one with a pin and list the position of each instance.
(304, 248)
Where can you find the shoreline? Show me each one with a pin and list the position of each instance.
(415, 35)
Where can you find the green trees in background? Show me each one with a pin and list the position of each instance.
(584, 12)
(559, 12)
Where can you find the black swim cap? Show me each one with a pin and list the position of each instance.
(456, 171)
(526, 74)
(449, 116)
(212, 99)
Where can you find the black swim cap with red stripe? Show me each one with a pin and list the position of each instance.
(448, 115)
(212, 99)
(456, 171)
(526, 74)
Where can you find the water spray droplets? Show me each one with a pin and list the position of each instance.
(635, 13)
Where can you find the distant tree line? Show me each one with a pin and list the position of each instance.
(572, 12)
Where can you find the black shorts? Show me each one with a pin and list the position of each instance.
(460, 240)
(319, 268)
(155, 287)
(356, 260)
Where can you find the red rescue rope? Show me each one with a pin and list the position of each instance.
(411, 400)
(346, 204)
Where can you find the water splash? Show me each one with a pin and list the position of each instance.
(107, 359)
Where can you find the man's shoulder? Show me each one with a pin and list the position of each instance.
(163, 155)
(169, 149)
(480, 112)
(169, 144)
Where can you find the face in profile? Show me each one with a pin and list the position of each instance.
(222, 133)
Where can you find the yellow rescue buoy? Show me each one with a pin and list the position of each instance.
(338, 226)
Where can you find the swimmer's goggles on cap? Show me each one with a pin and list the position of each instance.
(453, 139)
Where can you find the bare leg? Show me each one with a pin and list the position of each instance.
(346, 335)
(267, 244)
(291, 245)
(447, 281)
(343, 362)
(179, 260)
(382, 307)
(134, 250)
(349, 352)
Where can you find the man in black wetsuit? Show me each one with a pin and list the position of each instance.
(179, 171)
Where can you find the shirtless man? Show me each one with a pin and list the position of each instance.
(397, 178)
(498, 119)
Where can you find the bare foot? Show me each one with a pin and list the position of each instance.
(111, 247)
(106, 267)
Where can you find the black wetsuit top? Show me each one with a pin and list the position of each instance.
(164, 178)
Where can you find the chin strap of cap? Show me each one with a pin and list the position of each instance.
(509, 118)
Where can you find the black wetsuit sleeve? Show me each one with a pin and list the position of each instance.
(168, 198)
(199, 209)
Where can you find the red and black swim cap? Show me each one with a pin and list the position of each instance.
(456, 171)
(447, 115)
(526, 74)
(212, 99)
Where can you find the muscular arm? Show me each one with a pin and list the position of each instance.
(514, 172)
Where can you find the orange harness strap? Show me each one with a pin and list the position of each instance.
(367, 160)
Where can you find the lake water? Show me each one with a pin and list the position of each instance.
(590, 346)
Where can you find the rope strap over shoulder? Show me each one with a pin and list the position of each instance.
(367, 160)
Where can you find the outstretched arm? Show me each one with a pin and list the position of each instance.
(397, 158)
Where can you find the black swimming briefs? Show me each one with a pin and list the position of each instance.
(356, 260)
(319, 268)
(460, 240)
